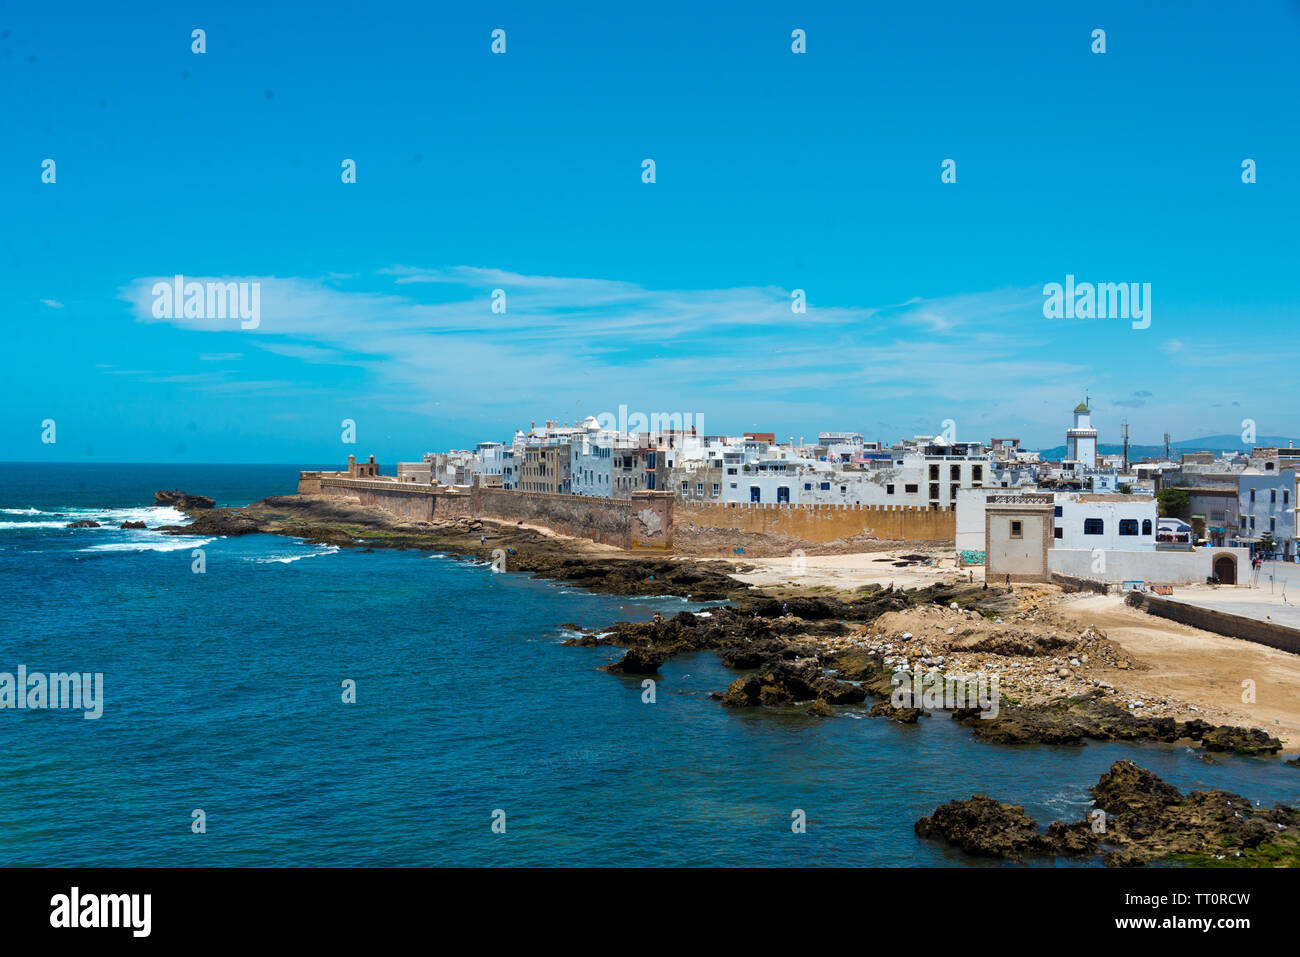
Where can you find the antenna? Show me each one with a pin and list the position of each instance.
(1167, 447)
(1124, 428)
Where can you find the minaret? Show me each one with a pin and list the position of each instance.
(1081, 441)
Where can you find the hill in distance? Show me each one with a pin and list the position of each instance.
(1211, 443)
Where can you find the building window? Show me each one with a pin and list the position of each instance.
(934, 473)
(1057, 511)
(684, 487)
(910, 489)
(1286, 497)
(1128, 526)
(807, 486)
(1272, 525)
(754, 493)
(826, 487)
(1016, 530)
(1059, 532)
(954, 473)
(934, 490)
(889, 490)
(1272, 496)
(699, 488)
(717, 489)
(1252, 495)
(1094, 526)
(977, 473)
(1146, 526)
(783, 494)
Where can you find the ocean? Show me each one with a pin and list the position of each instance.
(223, 693)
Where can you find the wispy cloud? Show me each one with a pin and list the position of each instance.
(427, 342)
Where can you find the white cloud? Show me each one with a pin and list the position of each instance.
(426, 342)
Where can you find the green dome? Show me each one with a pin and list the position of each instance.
(1082, 407)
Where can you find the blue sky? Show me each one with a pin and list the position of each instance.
(522, 171)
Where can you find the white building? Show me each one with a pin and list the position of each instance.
(592, 460)
(1090, 521)
(1081, 440)
(1266, 499)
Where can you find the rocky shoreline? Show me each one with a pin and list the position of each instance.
(810, 653)
(1137, 819)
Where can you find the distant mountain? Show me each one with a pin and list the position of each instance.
(1211, 443)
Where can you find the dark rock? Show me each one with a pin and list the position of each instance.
(784, 684)
(216, 522)
(1240, 741)
(1093, 716)
(1134, 793)
(183, 501)
(638, 661)
(821, 709)
(84, 523)
(983, 826)
(1147, 820)
(833, 691)
(133, 525)
(883, 709)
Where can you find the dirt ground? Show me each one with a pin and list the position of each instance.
(907, 567)
(1151, 665)
(1185, 664)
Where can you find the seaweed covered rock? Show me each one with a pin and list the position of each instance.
(183, 500)
(985, 827)
(638, 661)
(883, 709)
(1245, 741)
(1145, 819)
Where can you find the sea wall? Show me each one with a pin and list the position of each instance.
(823, 523)
(309, 483)
(1152, 567)
(643, 522)
(1234, 626)
(1070, 583)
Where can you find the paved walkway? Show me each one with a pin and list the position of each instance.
(1272, 594)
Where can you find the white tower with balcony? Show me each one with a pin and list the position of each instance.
(1081, 441)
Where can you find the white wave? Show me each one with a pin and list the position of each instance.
(152, 515)
(168, 544)
(286, 559)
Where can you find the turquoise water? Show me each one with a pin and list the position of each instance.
(222, 692)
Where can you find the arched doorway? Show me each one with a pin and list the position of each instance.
(1225, 569)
